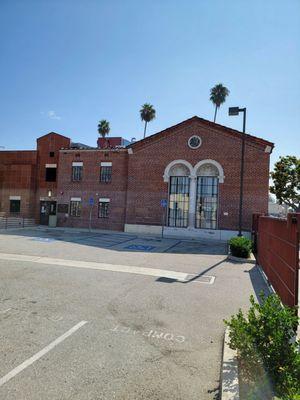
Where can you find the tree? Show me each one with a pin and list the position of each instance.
(103, 128)
(147, 113)
(286, 181)
(218, 96)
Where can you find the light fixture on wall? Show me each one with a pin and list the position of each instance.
(49, 193)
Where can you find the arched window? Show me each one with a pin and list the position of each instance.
(177, 174)
(207, 170)
(193, 193)
(207, 196)
(179, 170)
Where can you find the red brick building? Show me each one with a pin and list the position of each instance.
(193, 168)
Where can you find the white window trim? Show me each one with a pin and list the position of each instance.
(14, 197)
(77, 164)
(172, 163)
(75, 198)
(196, 147)
(193, 170)
(213, 162)
(104, 200)
(106, 164)
(51, 165)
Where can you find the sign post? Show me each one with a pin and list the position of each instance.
(91, 203)
(163, 204)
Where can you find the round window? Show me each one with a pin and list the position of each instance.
(194, 142)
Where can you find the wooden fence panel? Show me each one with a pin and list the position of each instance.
(277, 252)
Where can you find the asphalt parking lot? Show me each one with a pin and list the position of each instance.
(114, 316)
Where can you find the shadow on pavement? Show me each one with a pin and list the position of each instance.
(258, 283)
(123, 242)
(195, 277)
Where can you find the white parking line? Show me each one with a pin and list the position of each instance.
(178, 276)
(40, 354)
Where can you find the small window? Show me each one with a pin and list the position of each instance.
(50, 174)
(77, 172)
(105, 174)
(15, 206)
(103, 209)
(51, 154)
(194, 142)
(75, 208)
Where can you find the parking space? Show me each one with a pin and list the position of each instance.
(82, 320)
(34, 238)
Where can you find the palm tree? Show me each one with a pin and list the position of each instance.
(103, 128)
(218, 96)
(147, 113)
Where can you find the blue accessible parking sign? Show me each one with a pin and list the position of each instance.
(91, 201)
(164, 203)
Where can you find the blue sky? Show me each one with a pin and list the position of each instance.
(67, 64)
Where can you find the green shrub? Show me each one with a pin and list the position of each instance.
(240, 246)
(264, 339)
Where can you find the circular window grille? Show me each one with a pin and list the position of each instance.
(194, 142)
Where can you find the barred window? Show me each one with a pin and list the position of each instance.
(77, 172)
(103, 208)
(75, 208)
(105, 173)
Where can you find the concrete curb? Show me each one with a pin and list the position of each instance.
(266, 280)
(125, 234)
(21, 228)
(250, 260)
(229, 374)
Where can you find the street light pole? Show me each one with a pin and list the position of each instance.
(236, 111)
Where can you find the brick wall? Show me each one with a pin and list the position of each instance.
(137, 185)
(147, 164)
(46, 145)
(17, 178)
(91, 187)
(22, 173)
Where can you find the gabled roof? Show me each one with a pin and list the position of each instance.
(52, 133)
(204, 122)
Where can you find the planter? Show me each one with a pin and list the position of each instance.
(250, 260)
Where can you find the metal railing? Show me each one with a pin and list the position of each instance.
(10, 222)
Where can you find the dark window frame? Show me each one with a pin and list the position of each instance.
(103, 209)
(75, 208)
(207, 199)
(179, 199)
(106, 173)
(77, 173)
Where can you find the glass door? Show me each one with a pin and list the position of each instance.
(179, 201)
(207, 202)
